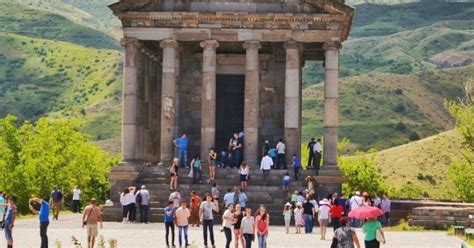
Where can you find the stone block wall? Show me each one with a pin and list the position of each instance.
(441, 217)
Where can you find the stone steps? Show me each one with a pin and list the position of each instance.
(267, 192)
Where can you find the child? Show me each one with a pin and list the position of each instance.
(285, 182)
(196, 168)
(298, 217)
(296, 166)
(287, 216)
(216, 192)
(222, 159)
(293, 199)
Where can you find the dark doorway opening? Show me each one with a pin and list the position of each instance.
(229, 108)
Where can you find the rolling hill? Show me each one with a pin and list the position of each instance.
(61, 58)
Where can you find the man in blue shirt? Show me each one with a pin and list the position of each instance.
(182, 144)
(43, 219)
(170, 214)
(56, 201)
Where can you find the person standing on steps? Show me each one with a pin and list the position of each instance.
(281, 157)
(296, 166)
(43, 218)
(194, 205)
(244, 172)
(144, 196)
(206, 217)
(76, 199)
(212, 164)
(56, 201)
(91, 217)
(181, 143)
(266, 165)
(170, 215)
(235, 147)
(174, 174)
(317, 151)
(182, 221)
(310, 147)
(196, 168)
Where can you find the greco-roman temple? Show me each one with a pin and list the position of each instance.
(211, 67)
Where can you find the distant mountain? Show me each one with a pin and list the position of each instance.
(62, 58)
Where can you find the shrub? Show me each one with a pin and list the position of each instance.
(413, 136)
(399, 108)
(361, 174)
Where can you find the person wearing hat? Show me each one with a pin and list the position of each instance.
(143, 199)
(366, 201)
(287, 216)
(324, 216)
(298, 212)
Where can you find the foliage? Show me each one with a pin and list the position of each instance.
(37, 156)
(462, 169)
(361, 174)
(404, 226)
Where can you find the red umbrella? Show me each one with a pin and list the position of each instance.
(365, 212)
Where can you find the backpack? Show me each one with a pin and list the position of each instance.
(138, 198)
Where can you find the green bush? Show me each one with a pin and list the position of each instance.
(36, 156)
(361, 174)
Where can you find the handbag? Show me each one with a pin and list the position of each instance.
(190, 174)
(379, 237)
(84, 222)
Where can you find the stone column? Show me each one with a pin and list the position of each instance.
(130, 98)
(168, 94)
(331, 105)
(292, 121)
(252, 102)
(208, 122)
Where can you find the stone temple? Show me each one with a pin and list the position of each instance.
(211, 67)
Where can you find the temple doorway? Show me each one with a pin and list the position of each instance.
(230, 91)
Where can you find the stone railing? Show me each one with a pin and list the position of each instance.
(442, 217)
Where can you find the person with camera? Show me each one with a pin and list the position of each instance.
(43, 213)
(90, 219)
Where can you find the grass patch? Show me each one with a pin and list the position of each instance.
(403, 226)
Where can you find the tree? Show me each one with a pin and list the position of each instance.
(462, 170)
(37, 156)
(361, 174)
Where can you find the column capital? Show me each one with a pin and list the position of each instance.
(252, 44)
(291, 44)
(332, 45)
(130, 42)
(168, 43)
(209, 44)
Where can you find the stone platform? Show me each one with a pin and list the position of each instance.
(157, 180)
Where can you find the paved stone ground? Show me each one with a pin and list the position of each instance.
(26, 234)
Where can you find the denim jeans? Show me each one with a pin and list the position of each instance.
(262, 241)
(228, 236)
(208, 225)
(183, 229)
(236, 157)
(308, 223)
(44, 234)
(168, 226)
(143, 213)
(248, 240)
(183, 157)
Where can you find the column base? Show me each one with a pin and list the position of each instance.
(329, 181)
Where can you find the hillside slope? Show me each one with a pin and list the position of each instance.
(420, 169)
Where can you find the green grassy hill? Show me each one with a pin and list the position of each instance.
(399, 64)
(419, 169)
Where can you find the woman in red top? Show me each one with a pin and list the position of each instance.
(336, 213)
(262, 221)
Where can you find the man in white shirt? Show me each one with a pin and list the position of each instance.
(175, 197)
(266, 165)
(143, 204)
(318, 151)
(76, 199)
(355, 202)
(281, 157)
